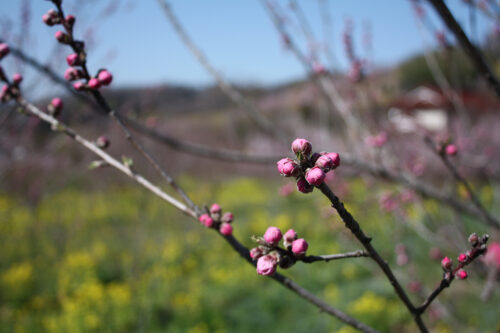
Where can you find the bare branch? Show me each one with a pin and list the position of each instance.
(329, 257)
(474, 54)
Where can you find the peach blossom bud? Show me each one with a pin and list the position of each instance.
(73, 59)
(57, 103)
(73, 74)
(4, 50)
(335, 158)
(256, 253)
(62, 37)
(17, 78)
(272, 235)
(301, 146)
(47, 19)
(473, 239)
(446, 263)
(105, 77)
(102, 142)
(70, 20)
(226, 229)
(208, 222)
(462, 274)
(94, 83)
(203, 217)
(79, 86)
(266, 265)
(324, 162)
(227, 217)
(289, 237)
(314, 157)
(299, 246)
(451, 150)
(315, 176)
(303, 186)
(287, 167)
(462, 257)
(215, 209)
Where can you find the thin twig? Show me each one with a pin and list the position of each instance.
(356, 230)
(474, 54)
(461, 179)
(329, 257)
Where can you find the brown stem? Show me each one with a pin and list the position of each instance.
(329, 257)
(474, 54)
(356, 230)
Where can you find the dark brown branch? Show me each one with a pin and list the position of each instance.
(474, 54)
(356, 230)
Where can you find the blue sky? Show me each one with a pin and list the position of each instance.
(140, 47)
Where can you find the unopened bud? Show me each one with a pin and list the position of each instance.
(4, 50)
(226, 229)
(227, 217)
(94, 83)
(287, 167)
(102, 142)
(462, 274)
(301, 146)
(17, 78)
(473, 239)
(289, 237)
(303, 186)
(73, 59)
(462, 257)
(272, 235)
(80, 86)
(451, 150)
(105, 77)
(446, 263)
(256, 253)
(299, 247)
(315, 176)
(266, 265)
(62, 37)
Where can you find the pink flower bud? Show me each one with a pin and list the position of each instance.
(299, 246)
(324, 162)
(47, 19)
(462, 257)
(4, 50)
(272, 235)
(256, 253)
(17, 78)
(303, 186)
(105, 77)
(473, 239)
(73, 74)
(226, 229)
(73, 59)
(79, 86)
(61, 36)
(462, 274)
(102, 142)
(215, 209)
(94, 83)
(335, 159)
(446, 263)
(301, 146)
(57, 103)
(208, 222)
(451, 150)
(52, 13)
(70, 20)
(315, 176)
(492, 256)
(289, 237)
(227, 217)
(287, 167)
(203, 217)
(266, 265)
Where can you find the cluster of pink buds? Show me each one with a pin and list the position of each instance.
(309, 169)
(214, 219)
(76, 60)
(478, 247)
(269, 255)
